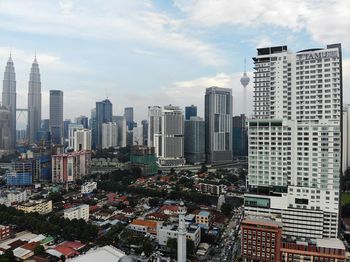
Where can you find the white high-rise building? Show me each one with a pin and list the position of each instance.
(109, 135)
(122, 129)
(82, 140)
(9, 100)
(166, 134)
(34, 102)
(295, 140)
(218, 124)
(72, 128)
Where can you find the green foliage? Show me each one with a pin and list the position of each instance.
(112, 236)
(144, 244)
(49, 224)
(172, 244)
(39, 250)
(55, 197)
(7, 256)
(227, 209)
(190, 246)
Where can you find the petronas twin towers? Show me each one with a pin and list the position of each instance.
(34, 101)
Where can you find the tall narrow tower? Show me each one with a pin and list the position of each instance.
(34, 102)
(245, 81)
(181, 235)
(9, 98)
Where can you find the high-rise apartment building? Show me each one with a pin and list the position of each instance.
(72, 128)
(34, 103)
(103, 115)
(9, 99)
(194, 140)
(190, 111)
(218, 124)
(56, 116)
(295, 140)
(166, 134)
(109, 135)
(82, 140)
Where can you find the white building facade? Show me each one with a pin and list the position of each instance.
(82, 140)
(166, 134)
(88, 187)
(295, 140)
(346, 138)
(109, 135)
(72, 128)
(78, 212)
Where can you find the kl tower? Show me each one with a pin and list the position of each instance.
(245, 81)
(181, 234)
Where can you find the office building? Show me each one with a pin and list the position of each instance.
(56, 116)
(346, 138)
(21, 173)
(5, 129)
(9, 99)
(261, 240)
(239, 136)
(166, 134)
(194, 140)
(88, 187)
(78, 212)
(82, 140)
(21, 136)
(66, 124)
(129, 117)
(122, 130)
(190, 111)
(41, 207)
(71, 166)
(144, 124)
(218, 124)
(295, 140)
(103, 115)
(34, 102)
(72, 128)
(109, 135)
(45, 124)
(83, 120)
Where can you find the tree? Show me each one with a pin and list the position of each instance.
(203, 169)
(39, 250)
(153, 202)
(172, 244)
(7, 256)
(226, 209)
(55, 197)
(190, 246)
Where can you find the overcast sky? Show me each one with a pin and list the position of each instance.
(140, 53)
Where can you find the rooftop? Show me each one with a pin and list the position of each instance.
(204, 213)
(105, 254)
(330, 243)
(145, 223)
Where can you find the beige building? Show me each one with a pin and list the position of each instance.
(39, 206)
(78, 212)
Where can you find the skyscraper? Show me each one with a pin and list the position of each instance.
(166, 134)
(4, 128)
(109, 135)
(144, 124)
(56, 116)
(34, 102)
(82, 140)
(190, 111)
(83, 120)
(218, 124)
(195, 140)
(346, 138)
(239, 136)
(9, 99)
(295, 140)
(122, 129)
(129, 117)
(72, 128)
(103, 115)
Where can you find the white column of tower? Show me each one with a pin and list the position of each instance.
(9, 98)
(181, 235)
(34, 102)
(245, 81)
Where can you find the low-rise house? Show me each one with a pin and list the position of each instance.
(204, 219)
(78, 212)
(170, 209)
(144, 226)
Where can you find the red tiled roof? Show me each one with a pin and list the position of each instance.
(145, 223)
(30, 246)
(66, 251)
(17, 243)
(169, 207)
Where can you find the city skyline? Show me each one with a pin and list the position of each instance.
(222, 42)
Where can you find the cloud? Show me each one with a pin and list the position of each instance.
(327, 21)
(114, 21)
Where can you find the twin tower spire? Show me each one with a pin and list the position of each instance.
(34, 101)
